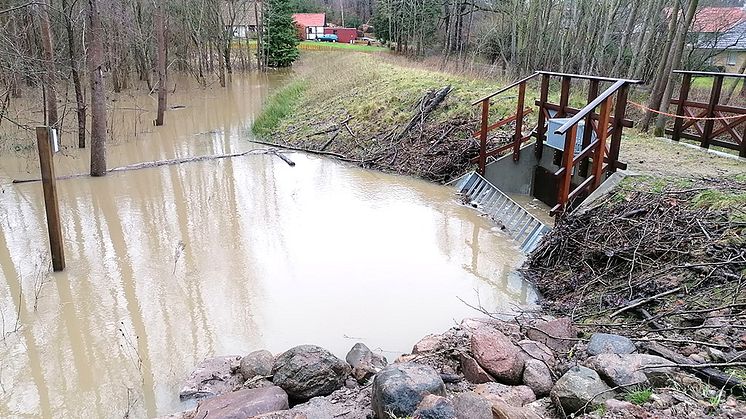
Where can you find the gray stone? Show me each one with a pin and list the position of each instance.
(580, 389)
(243, 404)
(559, 334)
(604, 343)
(309, 371)
(257, 363)
(364, 362)
(537, 376)
(497, 354)
(399, 388)
(630, 369)
(434, 407)
(470, 405)
(212, 377)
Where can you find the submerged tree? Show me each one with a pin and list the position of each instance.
(98, 91)
(280, 38)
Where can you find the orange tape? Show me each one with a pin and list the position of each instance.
(692, 118)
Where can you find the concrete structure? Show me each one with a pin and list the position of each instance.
(310, 25)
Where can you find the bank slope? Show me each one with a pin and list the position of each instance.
(358, 106)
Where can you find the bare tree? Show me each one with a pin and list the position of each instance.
(95, 43)
(161, 46)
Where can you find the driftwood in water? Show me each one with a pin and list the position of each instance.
(713, 376)
(425, 107)
(304, 150)
(171, 162)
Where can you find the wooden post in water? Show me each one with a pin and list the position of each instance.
(49, 183)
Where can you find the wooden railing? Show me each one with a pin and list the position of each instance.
(486, 127)
(702, 117)
(595, 150)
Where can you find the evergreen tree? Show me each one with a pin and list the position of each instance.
(280, 47)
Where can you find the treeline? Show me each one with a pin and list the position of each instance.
(97, 45)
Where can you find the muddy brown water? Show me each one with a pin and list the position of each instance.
(170, 265)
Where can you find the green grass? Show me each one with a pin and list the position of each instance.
(279, 106)
(343, 46)
(705, 83)
(639, 397)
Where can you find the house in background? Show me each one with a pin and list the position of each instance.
(310, 25)
(719, 35)
(241, 18)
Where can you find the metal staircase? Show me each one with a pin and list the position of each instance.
(518, 223)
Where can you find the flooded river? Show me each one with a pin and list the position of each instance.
(167, 266)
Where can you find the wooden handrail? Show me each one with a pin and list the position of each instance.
(590, 107)
(710, 74)
(506, 88)
(584, 77)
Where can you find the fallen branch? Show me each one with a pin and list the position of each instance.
(305, 150)
(171, 162)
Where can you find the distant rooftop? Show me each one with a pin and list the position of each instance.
(310, 19)
(717, 19)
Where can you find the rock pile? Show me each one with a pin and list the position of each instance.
(482, 369)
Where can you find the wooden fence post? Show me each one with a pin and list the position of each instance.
(717, 87)
(686, 83)
(518, 136)
(541, 129)
(49, 184)
(483, 136)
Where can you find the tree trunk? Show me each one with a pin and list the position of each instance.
(161, 48)
(625, 38)
(80, 109)
(675, 61)
(49, 78)
(98, 91)
(656, 94)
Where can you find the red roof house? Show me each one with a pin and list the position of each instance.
(310, 25)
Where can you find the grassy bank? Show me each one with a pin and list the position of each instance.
(341, 46)
(358, 106)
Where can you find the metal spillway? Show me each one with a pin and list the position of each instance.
(518, 223)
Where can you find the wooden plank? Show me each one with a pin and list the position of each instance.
(717, 87)
(567, 163)
(598, 156)
(504, 89)
(626, 123)
(585, 77)
(541, 129)
(686, 83)
(589, 128)
(483, 136)
(502, 122)
(620, 110)
(51, 206)
(518, 134)
(564, 96)
(710, 74)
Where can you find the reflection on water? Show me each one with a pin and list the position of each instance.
(167, 266)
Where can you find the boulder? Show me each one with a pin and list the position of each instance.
(399, 388)
(429, 343)
(580, 389)
(309, 371)
(473, 372)
(517, 396)
(257, 363)
(537, 350)
(559, 334)
(537, 376)
(212, 377)
(604, 343)
(631, 369)
(470, 405)
(243, 404)
(497, 354)
(435, 407)
(364, 362)
(502, 410)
